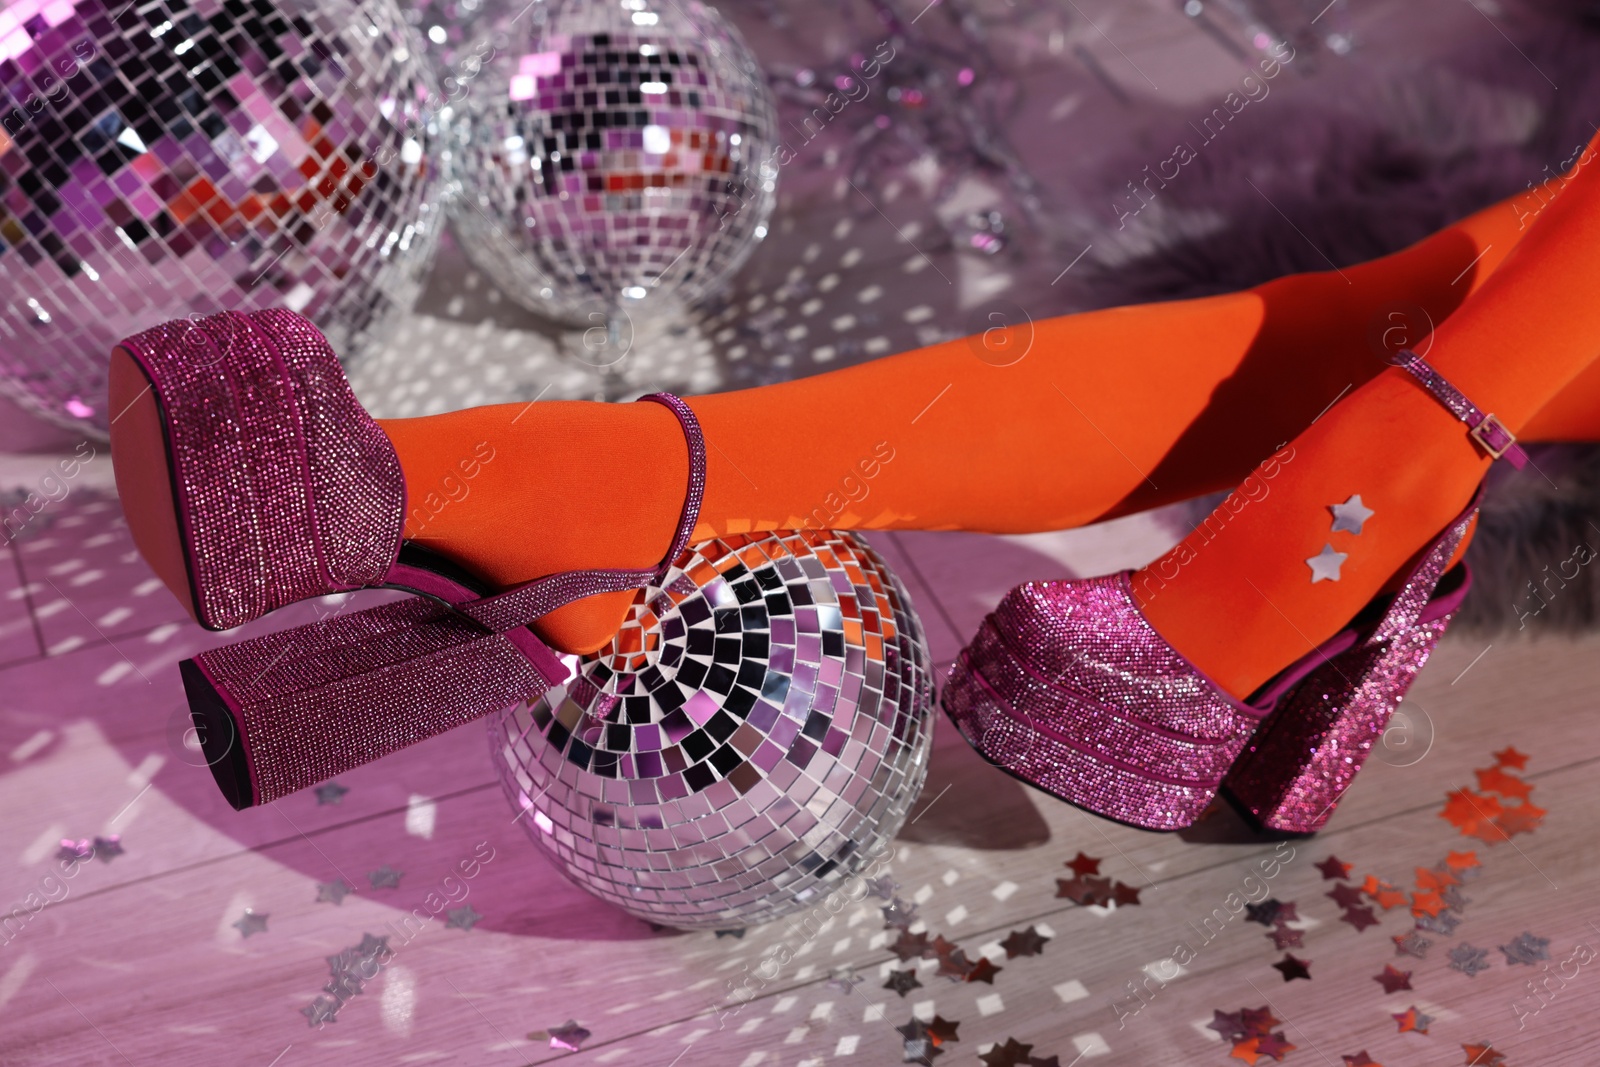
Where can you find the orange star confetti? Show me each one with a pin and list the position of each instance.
(1430, 879)
(1429, 903)
(1412, 1020)
(1370, 885)
(1246, 1050)
(1495, 780)
(1461, 861)
(1386, 895)
(1469, 812)
(1523, 818)
(1481, 1055)
(1510, 757)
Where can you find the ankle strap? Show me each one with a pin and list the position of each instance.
(1489, 432)
(524, 603)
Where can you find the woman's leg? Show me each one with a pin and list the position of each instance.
(1239, 596)
(1080, 418)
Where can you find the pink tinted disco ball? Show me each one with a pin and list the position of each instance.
(174, 157)
(618, 153)
(751, 739)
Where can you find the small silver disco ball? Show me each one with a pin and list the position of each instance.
(753, 736)
(618, 154)
(179, 157)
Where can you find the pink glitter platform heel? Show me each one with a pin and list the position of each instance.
(1068, 688)
(252, 478)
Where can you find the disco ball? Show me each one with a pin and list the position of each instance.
(751, 738)
(622, 152)
(182, 157)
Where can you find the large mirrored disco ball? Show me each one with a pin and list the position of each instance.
(752, 738)
(622, 154)
(163, 158)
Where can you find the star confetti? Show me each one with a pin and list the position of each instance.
(942, 1030)
(1029, 942)
(1510, 757)
(898, 913)
(1082, 865)
(253, 922)
(1429, 903)
(1454, 899)
(1011, 1054)
(73, 851)
(1259, 1020)
(1084, 890)
(736, 932)
(1462, 861)
(1411, 944)
(1412, 1020)
(107, 848)
(330, 793)
(1526, 949)
(1360, 1059)
(917, 1045)
(1392, 980)
(1439, 878)
(1468, 959)
(1248, 1050)
(1274, 1045)
(1471, 813)
(1286, 937)
(909, 946)
(1517, 819)
(1443, 924)
(1124, 895)
(1346, 896)
(385, 877)
(1332, 870)
(1266, 913)
(1495, 780)
(321, 1010)
(1291, 968)
(902, 982)
(1360, 917)
(882, 887)
(464, 917)
(569, 1036)
(332, 892)
(983, 971)
(1482, 1054)
(844, 979)
(955, 966)
(1228, 1024)
(1383, 894)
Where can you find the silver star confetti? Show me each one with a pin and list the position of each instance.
(1469, 960)
(844, 979)
(569, 1035)
(330, 793)
(1526, 949)
(385, 877)
(333, 892)
(253, 922)
(1411, 943)
(898, 913)
(464, 917)
(1325, 565)
(1454, 899)
(322, 1010)
(882, 887)
(1444, 923)
(374, 947)
(1351, 515)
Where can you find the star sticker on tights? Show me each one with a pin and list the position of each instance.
(1351, 515)
(1325, 564)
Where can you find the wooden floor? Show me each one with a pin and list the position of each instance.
(137, 959)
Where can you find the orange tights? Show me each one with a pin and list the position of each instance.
(1074, 419)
